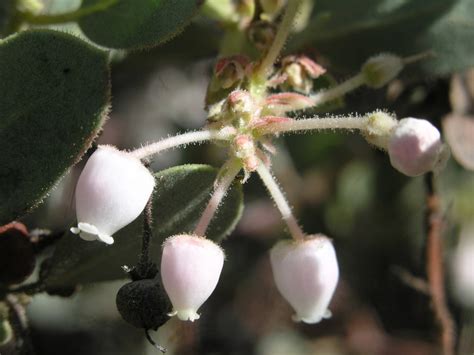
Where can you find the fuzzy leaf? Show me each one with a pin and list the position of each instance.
(350, 32)
(135, 24)
(181, 194)
(54, 91)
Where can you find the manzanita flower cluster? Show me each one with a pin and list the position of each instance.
(115, 186)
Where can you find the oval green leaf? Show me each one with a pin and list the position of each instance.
(136, 24)
(181, 194)
(54, 94)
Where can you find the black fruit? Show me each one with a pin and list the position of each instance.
(143, 303)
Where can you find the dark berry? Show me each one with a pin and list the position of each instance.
(144, 303)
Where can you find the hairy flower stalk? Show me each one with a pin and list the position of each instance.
(224, 179)
(316, 123)
(178, 140)
(280, 201)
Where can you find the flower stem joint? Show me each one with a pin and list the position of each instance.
(112, 191)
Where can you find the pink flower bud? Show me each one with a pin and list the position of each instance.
(111, 192)
(414, 146)
(306, 274)
(190, 269)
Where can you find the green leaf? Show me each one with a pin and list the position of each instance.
(135, 24)
(350, 32)
(181, 194)
(54, 91)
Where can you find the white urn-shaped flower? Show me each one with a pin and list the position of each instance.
(306, 274)
(190, 270)
(111, 192)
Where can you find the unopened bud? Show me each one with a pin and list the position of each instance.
(381, 69)
(244, 148)
(190, 270)
(240, 107)
(111, 192)
(414, 147)
(299, 72)
(231, 70)
(306, 274)
(262, 34)
(283, 102)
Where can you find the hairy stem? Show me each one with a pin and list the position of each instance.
(68, 16)
(316, 123)
(146, 269)
(280, 38)
(223, 181)
(280, 201)
(175, 141)
(338, 91)
(435, 269)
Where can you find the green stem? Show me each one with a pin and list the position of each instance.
(224, 180)
(280, 38)
(67, 16)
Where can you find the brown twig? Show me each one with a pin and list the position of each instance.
(435, 268)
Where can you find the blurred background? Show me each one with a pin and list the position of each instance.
(338, 185)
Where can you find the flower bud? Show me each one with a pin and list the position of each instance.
(306, 274)
(414, 146)
(111, 192)
(190, 269)
(231, 70)
(262, 34)
(299, 72)
(381, 69)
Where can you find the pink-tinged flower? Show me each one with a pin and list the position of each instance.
(414, 146)
(306, 274)
(112, 191)
(190, 270)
